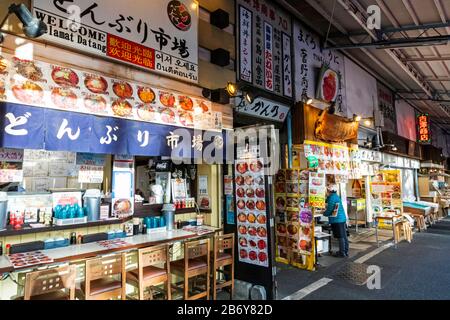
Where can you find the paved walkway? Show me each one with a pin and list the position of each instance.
(420, 270)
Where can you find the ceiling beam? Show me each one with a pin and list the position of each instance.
(425, 26)
(427, 59)
(434, 79)
(395, 43)
(361, 18)
(338, 26)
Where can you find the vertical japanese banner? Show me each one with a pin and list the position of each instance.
(245, 48)
(258, 60)
(423, 128)
(277, 62)
(268, 56)
(287, 66)
(309, 59)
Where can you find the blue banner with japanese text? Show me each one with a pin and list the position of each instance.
(25, 127)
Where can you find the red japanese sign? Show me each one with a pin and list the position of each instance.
(423, 128)
(130, 52)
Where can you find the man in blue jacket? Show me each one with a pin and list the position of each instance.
(338, 220)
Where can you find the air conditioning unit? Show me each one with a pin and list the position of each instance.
(379, 118)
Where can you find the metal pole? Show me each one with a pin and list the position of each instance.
(289, 132)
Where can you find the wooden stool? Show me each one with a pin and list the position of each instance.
(407, 231)
(195, 263)
(420, 221)
(101, 278)
(221, 259)
(153, 269)
(51, 284)
(403, 228)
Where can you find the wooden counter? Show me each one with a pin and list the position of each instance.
(89, 250)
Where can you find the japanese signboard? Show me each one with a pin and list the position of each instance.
(52, 86)
(309, 60)
(265, 46)
(246, 27)
(423, 128)
(386, 106)
(90, 174)
(90, 159)
(287, 65)
(11, 155)
(263, 108)
(268, 56)
(28, 127)
(163, 38)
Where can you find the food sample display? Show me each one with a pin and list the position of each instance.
(52, 86)
(333, 159)
(251, 212)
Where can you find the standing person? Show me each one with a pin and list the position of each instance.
(338, 220)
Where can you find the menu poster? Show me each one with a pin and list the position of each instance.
(123, 188)
(228, 185)
(333, 159)
(58, 169)
(11, 175)
(179, 189)
(251, 212)
(294, 217)
(305, 243)
(40, 169)
(90, 174)
(355, 164)
(282, 252)
(203, 185)
(386, 191)
(317, 190)
(230, 209)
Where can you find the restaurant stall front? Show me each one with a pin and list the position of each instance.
(99, 162)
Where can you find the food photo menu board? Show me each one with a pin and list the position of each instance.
(294, 218)
(251, 212)
(45, 85)
(333, 159)
(386, 191)
(317, 190)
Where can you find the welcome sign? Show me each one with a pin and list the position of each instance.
(164, 40)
